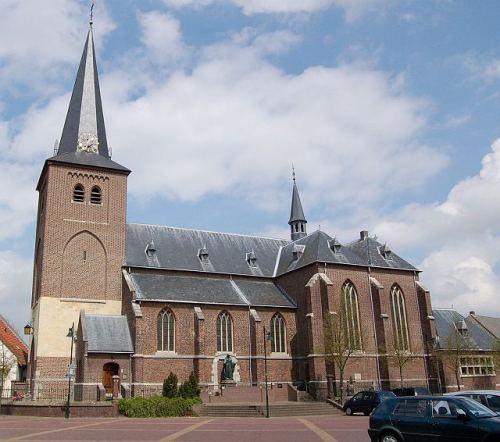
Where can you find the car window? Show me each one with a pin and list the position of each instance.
(476, 397)
(386, 394)
(478, 410)
(357, 397)
(411, 408)
(443, 408)
(493, 400)
(368, 396)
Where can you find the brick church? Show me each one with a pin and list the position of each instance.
(147, 300)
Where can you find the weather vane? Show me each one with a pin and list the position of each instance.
(92, 13)
(293, 172)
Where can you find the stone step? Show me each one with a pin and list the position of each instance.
(275, 410)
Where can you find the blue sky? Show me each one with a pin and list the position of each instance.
(388, 109)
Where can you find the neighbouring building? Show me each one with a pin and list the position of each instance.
(467, 350)
(13, 358)
(148, 299)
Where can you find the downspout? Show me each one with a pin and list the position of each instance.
(250, 347)
(421, 332)
(373, 311)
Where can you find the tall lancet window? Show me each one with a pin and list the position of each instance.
(278, 334)
(224, 333)
(352, 325)
(401, 336)
(165, 331)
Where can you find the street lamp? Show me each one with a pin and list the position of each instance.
(71, 334)
(28, 329)
(267, 337)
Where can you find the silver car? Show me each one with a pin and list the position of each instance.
(490, 398)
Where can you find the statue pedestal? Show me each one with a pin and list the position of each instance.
(228, 383)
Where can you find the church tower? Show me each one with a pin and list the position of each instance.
(297, 220)
(81, 224)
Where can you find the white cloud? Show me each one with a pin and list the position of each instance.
(42, 39)
(459, 238)
(482, 67)
(162, 37)
(353, 9)
(15, 288)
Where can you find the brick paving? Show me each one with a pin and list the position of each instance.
(289, 429)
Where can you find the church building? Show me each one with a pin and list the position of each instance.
(147, 300)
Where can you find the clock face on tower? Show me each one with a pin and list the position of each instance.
(88, 142)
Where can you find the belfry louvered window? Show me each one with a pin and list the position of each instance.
(78, 194)
(165, 331)
(401, 337)
(352, 325)
(96, 195)
(224, 333)
(278, 334)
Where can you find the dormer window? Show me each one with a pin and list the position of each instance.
(462, 328)
(385, 251)
(96, 195)
(335, 245)
(251, 259)
(298, 250)
(203, 254)
(78, 194)
(150, 249)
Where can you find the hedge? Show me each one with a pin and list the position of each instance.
(157, 406)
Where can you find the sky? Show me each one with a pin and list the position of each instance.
(388, 109)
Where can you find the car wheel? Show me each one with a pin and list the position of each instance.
(389, 437)
(348, 411)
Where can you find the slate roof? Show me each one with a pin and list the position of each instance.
(87, 159)
(492, 325)
(317, 249)
(446, 322)
(203, 290)
(108, 334)
(178, 249)
(13, 341)
(369, 249)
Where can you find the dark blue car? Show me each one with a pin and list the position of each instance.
(366, 401)
(433, 418)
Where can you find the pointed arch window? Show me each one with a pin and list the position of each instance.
(224, 333)
(78, 194)
(96, 195)
(401, 336)
(278, 334)
(352, 324)
(165, 331)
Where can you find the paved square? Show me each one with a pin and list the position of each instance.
(289, 429)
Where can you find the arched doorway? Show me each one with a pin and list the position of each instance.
(109, 370)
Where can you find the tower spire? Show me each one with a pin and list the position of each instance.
(84, 129)
(297, 220)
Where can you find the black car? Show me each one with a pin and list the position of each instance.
(366, 401)
(411, 391)
(433, 418)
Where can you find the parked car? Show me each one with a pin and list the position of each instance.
(411, 391)
(490, 398)
(366, 401)
(433, 418)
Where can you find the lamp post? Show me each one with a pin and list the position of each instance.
(71, 334)
(267, 337)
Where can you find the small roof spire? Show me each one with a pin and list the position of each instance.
(91, 20)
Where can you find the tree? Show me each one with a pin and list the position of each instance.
(189, 389)
(7, 362)
(455, 347)
(495, 348)
(400, 356)
(339, 343)
(170, 386)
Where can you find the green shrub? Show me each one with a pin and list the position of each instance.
(157, 406)
(170, 386)
(190, 389)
